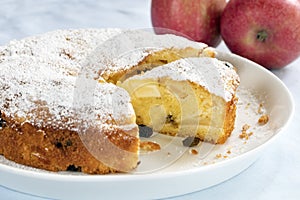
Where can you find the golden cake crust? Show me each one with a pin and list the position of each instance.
(63, 150)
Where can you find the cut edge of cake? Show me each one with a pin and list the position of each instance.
(192, 97)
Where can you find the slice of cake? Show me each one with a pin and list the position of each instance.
(189, 97)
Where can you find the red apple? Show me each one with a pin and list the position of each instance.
(265, 31)
(198, 20)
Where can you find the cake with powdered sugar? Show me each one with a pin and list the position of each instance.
(191, 97)
(60, 106)
(51, 120)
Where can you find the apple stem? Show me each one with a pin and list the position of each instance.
(262, 36)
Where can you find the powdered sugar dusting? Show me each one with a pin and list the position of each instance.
(44, 93)
(73, 45)
(129, 48)
(216, 76)
(41, 84)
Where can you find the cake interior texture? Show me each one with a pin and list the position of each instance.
(181, 107)
(158, 58)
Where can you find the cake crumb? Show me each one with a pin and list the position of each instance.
(194, 151)
(228, 152)
(264, 119)
(149, 146)
(260, 109)
(245, 127)
(218, 155)
(244, 134)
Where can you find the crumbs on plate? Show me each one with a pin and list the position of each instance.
(260, 109)
(245, 135)
(264, 119)
(219, 155)
(149, 146)
(193, 151)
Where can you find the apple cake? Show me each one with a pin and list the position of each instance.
(60, 108)
(192, 97)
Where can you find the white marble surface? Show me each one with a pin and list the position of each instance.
(274, 176)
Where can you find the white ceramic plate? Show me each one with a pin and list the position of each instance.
(160, 173)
